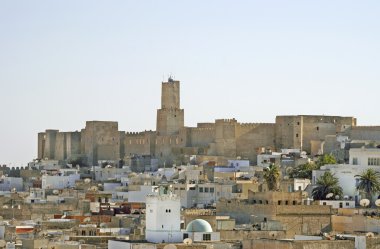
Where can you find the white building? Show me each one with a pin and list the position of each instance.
(301, 184)
(36, 195)
(59, 181)
(127, 244)
(107, 173)
(264, 160)
(365, 156)
(10, 183)
(200, 230)
(346, 176)
(337, 203)
(242, 165)
(191, 173)
(163, 219)
(139, 195)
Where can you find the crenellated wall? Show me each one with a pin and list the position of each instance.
(224, 138)
(201, 136)
(140, 143)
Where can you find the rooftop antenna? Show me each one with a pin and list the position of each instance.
(170, 78)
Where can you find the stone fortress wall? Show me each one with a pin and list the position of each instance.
(172, 141)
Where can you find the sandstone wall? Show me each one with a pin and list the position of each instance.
(101, 141)
(60, 146)
(250, 137)
(365, 133)
(49, 148)
(73, 144)
(298, 131)
(41, 145)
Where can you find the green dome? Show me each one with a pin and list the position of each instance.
(200, 226)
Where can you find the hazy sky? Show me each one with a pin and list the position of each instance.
(65, 62)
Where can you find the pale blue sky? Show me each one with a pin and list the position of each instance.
(65, 62)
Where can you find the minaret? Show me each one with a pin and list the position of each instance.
(170, 118)
(163, 218)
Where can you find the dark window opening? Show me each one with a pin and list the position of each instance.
(206, 236)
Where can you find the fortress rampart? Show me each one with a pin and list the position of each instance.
(224, 138)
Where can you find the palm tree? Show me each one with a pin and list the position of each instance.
(369, 182)
(272, 176)
(326, 184)
(326, 159)
(303, 171)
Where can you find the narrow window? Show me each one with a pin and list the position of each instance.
(206, 237)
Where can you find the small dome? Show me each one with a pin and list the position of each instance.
(200, 226)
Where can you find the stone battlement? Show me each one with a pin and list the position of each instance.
(256, 124)
(231, 120)
(201, 130)
(142, 133)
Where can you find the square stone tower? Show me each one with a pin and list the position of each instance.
(170, 118)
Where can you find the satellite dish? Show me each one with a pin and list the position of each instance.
(377, 203)
(272, 234)
(370, 235)
(188, 241)
(329, 195)
(170, 246)
(88, 219)
(364, 202)
(94, 188)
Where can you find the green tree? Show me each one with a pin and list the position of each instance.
(369, 183)
(303, 171)
(326, 159)
(326, 184)
(272, 176)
